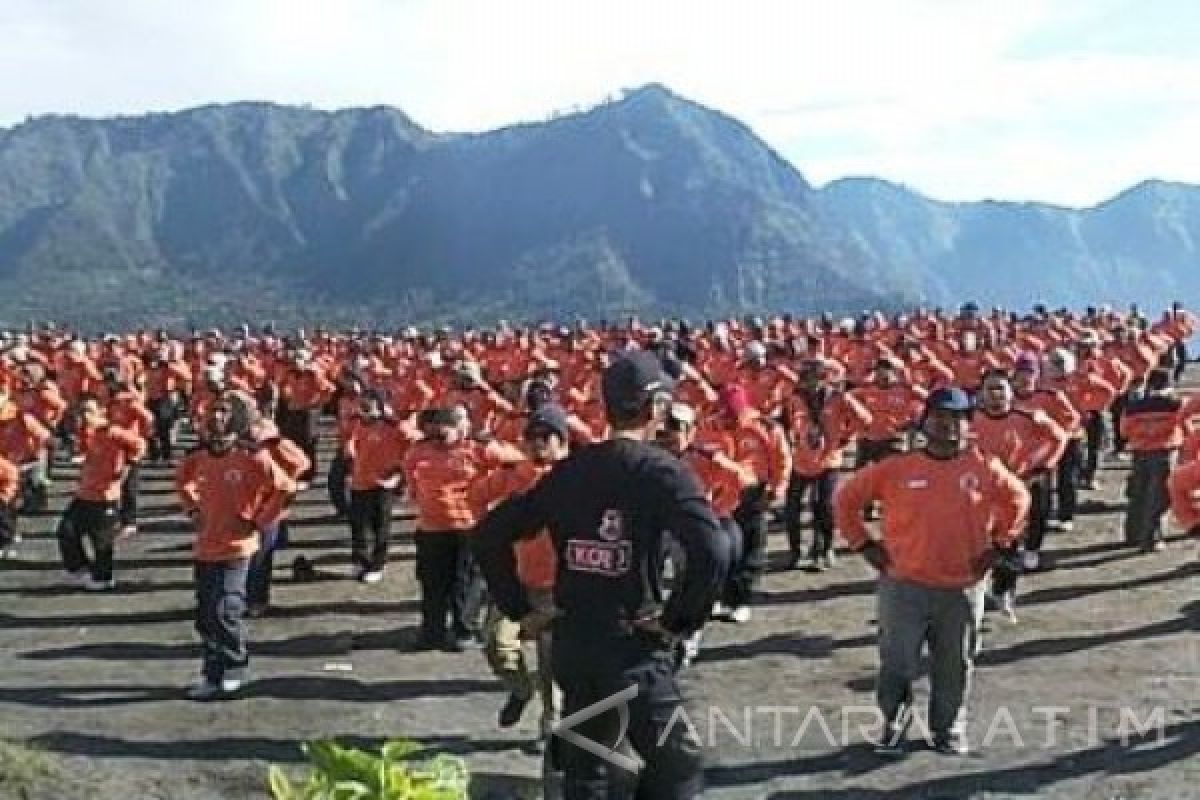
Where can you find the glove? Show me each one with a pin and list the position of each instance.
(876, 556)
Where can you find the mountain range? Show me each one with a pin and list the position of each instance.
(649, 204)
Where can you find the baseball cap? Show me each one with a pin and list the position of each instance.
(549, 417)
(631, 379)
(948, 398)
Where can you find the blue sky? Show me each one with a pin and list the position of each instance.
(1067, 101)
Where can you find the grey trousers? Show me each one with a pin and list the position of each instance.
(1147, 493)
(948, 619)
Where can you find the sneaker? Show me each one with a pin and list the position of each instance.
(831, 558)
(891, 738)
(740, 615)
(302, 486)
(795, 561)
(513, 708)
(1089, 486)
(1066, 525)
(211, 690)
(951, 744)
(79, 577)
(1154, 547)
(7, 553)
(720, 611)
(461, 644)
(79, 459)
(91, 584)
(1030, 560)
(126, 531)
(1007, 606)
(371, 576)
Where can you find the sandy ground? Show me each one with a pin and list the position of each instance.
(97, 681)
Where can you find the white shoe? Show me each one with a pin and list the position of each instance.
(126, 531)
(1008, 607)
(371, 576)
(1030, 560)
(719, 611)
(302, 486)
(209, 690)
(7, 553)
(91, 584)
(740, 615)
(1066, 525)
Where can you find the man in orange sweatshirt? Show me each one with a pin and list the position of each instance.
(1153, 427)
(230, 493)
(94, 512)
(947, 511)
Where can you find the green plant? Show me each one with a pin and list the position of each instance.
(398, 772)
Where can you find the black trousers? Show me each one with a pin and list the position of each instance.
(300, 425)
(262, 567)
(1067, 481)
(871, 451)
(220, 609)
(129, 495)
(591, 665)
(370, 527)
(1179, 355)
(1096, 430)
(745, 573)
(450, 584)
(1118, 412)
(166, 411)
(336, 483)
(8, 525)
(1039, 511)
(97, 524)
(819, 489)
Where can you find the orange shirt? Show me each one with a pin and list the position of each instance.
(167, 377)
(1025, 443)
(125, 410)
(1055, 404)
(1184, 489)
(305, 389)
(1154, 423)
(45, 403)
(719, 478)
(892, 409)
(537, 563)
(438, 477)
(22, 437)
(940, 517)
(818, 438)
(236, 493)
(110, 451)
(377, 451)
(10, 482)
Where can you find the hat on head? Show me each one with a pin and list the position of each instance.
(948, 398)
(549, 417)
(631, 379)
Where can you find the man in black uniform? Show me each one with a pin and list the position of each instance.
(607, 508)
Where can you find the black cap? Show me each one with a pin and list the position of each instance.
(631, 380)
(948, 398)
(549, 417)
(437, 416)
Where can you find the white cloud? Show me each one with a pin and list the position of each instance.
(960, 98)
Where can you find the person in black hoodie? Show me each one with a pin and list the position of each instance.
(607, 508)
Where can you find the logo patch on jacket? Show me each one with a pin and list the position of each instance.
(610, 555)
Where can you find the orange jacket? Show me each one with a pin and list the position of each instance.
(1154, 422)
(305, 389)
(1054, 404)
(722, 478)
(892, 409)
(44, 402)
(1088, 392)
(376, 450)
(940, 517)
(236, 494)
(818, 438)
(22, 437)
(1025, 443)
(110, 451)
(438, 478)
(537, 563)
(757, 444)
(10, 482)
(1184, 489)
(125, 410)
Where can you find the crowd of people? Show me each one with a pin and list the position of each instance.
(555, 471)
